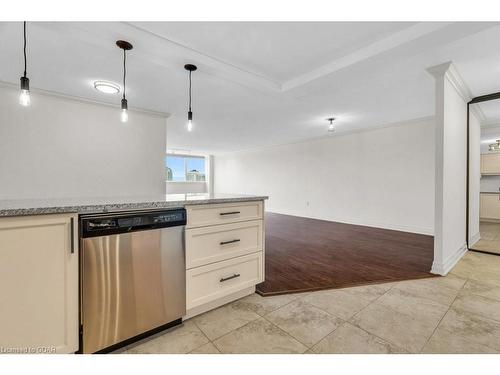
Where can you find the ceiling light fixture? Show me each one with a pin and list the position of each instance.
(190, 68)
(24, 96)
(495, 146)
(331, 126)
(125, 46)
(107, 87)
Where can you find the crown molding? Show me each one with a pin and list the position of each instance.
(55, 94)
(447, 70)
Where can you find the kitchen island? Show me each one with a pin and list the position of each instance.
(22, 207)
(41, 256)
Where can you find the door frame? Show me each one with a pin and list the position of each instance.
(476, 100)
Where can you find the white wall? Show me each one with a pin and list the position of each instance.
(451, 136)
(63, 148)
(382, 178)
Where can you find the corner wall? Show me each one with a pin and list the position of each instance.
(381, 178)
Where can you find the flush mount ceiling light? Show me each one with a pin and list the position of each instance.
(190, 68)
(331, 126)
(107, 87)
(495, 146)
(125, 46)
(24, 96)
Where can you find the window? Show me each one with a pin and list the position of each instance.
(184, 168)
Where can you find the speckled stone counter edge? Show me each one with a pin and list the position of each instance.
(103, 208)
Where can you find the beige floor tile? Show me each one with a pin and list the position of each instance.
(220, 321)
(338, 302)
(259, 337)
(208, 348)
(369, 292)
(486, 275)
(438, 289)
(306, 323)
(483, 289)
(445, 342)
(400, 329)
(472, 327)
(349, 339)
(179, 340)
(265, 305)
(479, 305)
(417, 307)
(465, 266)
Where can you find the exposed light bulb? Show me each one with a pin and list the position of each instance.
(331, 126)
(124, 115)
(24, 98)
(190, 121)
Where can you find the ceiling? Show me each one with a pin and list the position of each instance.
(259, 83)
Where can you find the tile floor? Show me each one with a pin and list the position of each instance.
(459, 313)
(490, 237)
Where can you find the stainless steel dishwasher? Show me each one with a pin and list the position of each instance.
(132, 276)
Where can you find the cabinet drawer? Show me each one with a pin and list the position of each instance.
(490, 164)
(213, 214)
(490, 206)
(215, 243)
(208, 283)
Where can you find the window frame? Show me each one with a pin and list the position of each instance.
(187, 156)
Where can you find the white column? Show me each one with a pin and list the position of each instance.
(451, 98)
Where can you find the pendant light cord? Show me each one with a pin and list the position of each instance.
(124, 71)
(24, 49)
(190, 91)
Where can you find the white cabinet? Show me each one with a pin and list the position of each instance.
(225, 251)
(215, 214)
(39, 283)
(220, 242)
(217, 280)
(490, 206)
(490, 164)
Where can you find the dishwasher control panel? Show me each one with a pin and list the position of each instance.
(106, 224)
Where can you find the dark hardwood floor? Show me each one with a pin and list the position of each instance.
(307, 254)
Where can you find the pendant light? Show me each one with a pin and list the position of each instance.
(24, 97)
(190, 68)
(125, 46)
(331, 127)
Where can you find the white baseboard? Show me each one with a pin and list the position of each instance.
(365, 223)
(445, 267)
(474, 238)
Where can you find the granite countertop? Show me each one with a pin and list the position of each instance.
(21, 207)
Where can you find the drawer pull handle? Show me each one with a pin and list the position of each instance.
(228, 242)
(230, 277)
(229, 213)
